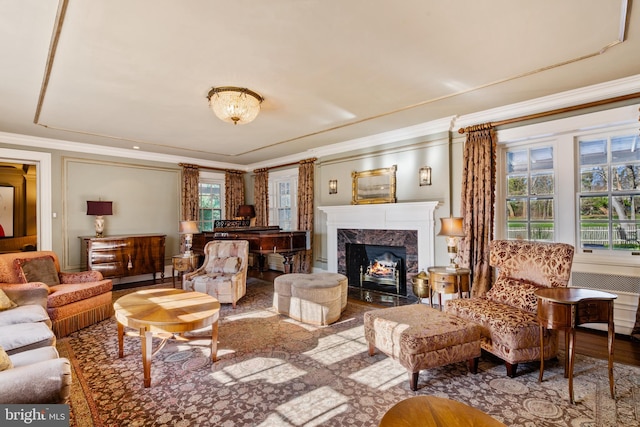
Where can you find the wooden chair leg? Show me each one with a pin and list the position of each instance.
(413, 380)
(372, 349)
(511, 369)
(473, 365)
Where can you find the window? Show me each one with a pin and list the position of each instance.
(211, 192)
(609, 196)
(530, 182)
(283, 199)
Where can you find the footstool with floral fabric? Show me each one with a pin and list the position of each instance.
(420, 337)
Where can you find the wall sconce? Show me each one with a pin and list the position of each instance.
(425, 176)
(188, 228)
(333, 186)
(99, 209)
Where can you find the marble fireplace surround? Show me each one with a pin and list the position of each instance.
(417, 216)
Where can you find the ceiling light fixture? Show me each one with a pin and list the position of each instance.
(235, 105)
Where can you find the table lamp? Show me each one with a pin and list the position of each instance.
(452, 229)
(99, 209)
(188, 228)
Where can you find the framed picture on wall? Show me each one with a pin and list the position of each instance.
(374, 186)
(6, 211)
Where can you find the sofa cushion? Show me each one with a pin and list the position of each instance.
(5, 362)
(5, 302)
(31, 313)
(70, 293)
(516, 293)
(40, 269)
(228, 265)
(25, 336)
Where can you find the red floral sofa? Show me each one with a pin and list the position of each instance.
(75, 300)
(508, 312)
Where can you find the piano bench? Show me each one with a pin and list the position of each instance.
(316, 298)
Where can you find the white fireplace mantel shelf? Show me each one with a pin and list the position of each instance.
(417, 216)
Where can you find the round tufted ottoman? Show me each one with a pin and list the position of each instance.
(316, 298)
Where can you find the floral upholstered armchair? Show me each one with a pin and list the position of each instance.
(508, 312)
(223, 274)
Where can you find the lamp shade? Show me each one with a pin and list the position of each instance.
(451, 227)
(188, 227)
(99, 208)
(246, 211)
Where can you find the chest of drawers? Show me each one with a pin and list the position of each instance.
(123, 256)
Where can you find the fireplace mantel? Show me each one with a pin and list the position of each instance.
(417, 216)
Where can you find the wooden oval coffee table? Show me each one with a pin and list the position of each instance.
(163, 313)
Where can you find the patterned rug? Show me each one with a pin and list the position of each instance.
(274, 371)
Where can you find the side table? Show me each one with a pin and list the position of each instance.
(183, 263)
(567, 308)
(444, 281)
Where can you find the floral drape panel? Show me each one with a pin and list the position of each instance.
(233, 192)
(304, 260)
(261, 196)
(190, 202)
(477, 207)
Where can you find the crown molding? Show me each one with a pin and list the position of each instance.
(569, 98)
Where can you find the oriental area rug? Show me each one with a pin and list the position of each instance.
(274, 371)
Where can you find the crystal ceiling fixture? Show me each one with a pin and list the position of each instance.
(237, 105)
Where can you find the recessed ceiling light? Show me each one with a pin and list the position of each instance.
(135, 147)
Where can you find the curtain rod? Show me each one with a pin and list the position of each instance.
(557, 111)
(299, 162)
(211, 168)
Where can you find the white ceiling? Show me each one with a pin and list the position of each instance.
(137, 72)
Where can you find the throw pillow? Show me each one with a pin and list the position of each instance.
(516, 293)
(5, 302)
(41, 269)
(5, 362)
(229, 265)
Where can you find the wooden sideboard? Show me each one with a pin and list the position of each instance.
(123, 256)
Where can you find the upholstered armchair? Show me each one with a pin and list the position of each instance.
(75, 299)
(508, 312)
(223, 274)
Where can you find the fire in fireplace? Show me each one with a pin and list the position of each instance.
(377, 267)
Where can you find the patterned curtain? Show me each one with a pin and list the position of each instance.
(190, 198)
(477, 208)
(261, 196)
(304, 260)
(233, 192)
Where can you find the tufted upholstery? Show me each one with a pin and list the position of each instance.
(223, 274)
(507, 314)
(79, 300)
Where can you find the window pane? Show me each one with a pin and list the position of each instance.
(516, 209)
(625, 148)
(594, 207)
(541, 209)
(517, 231)
(542, 183)
(542, 231)
(541, 158)
(625, 207)
(593, 179)
(517, 185)
(626, 235)
(517, 161)
(593, 152)
(594, 235)
(626, 177)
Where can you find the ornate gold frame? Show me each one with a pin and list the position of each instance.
(374, 186)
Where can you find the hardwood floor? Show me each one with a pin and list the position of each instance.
(589, 342)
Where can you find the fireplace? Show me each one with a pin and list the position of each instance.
(377, 267)
(410, 225)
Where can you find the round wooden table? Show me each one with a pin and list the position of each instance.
(163, 313)
(432, 411)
